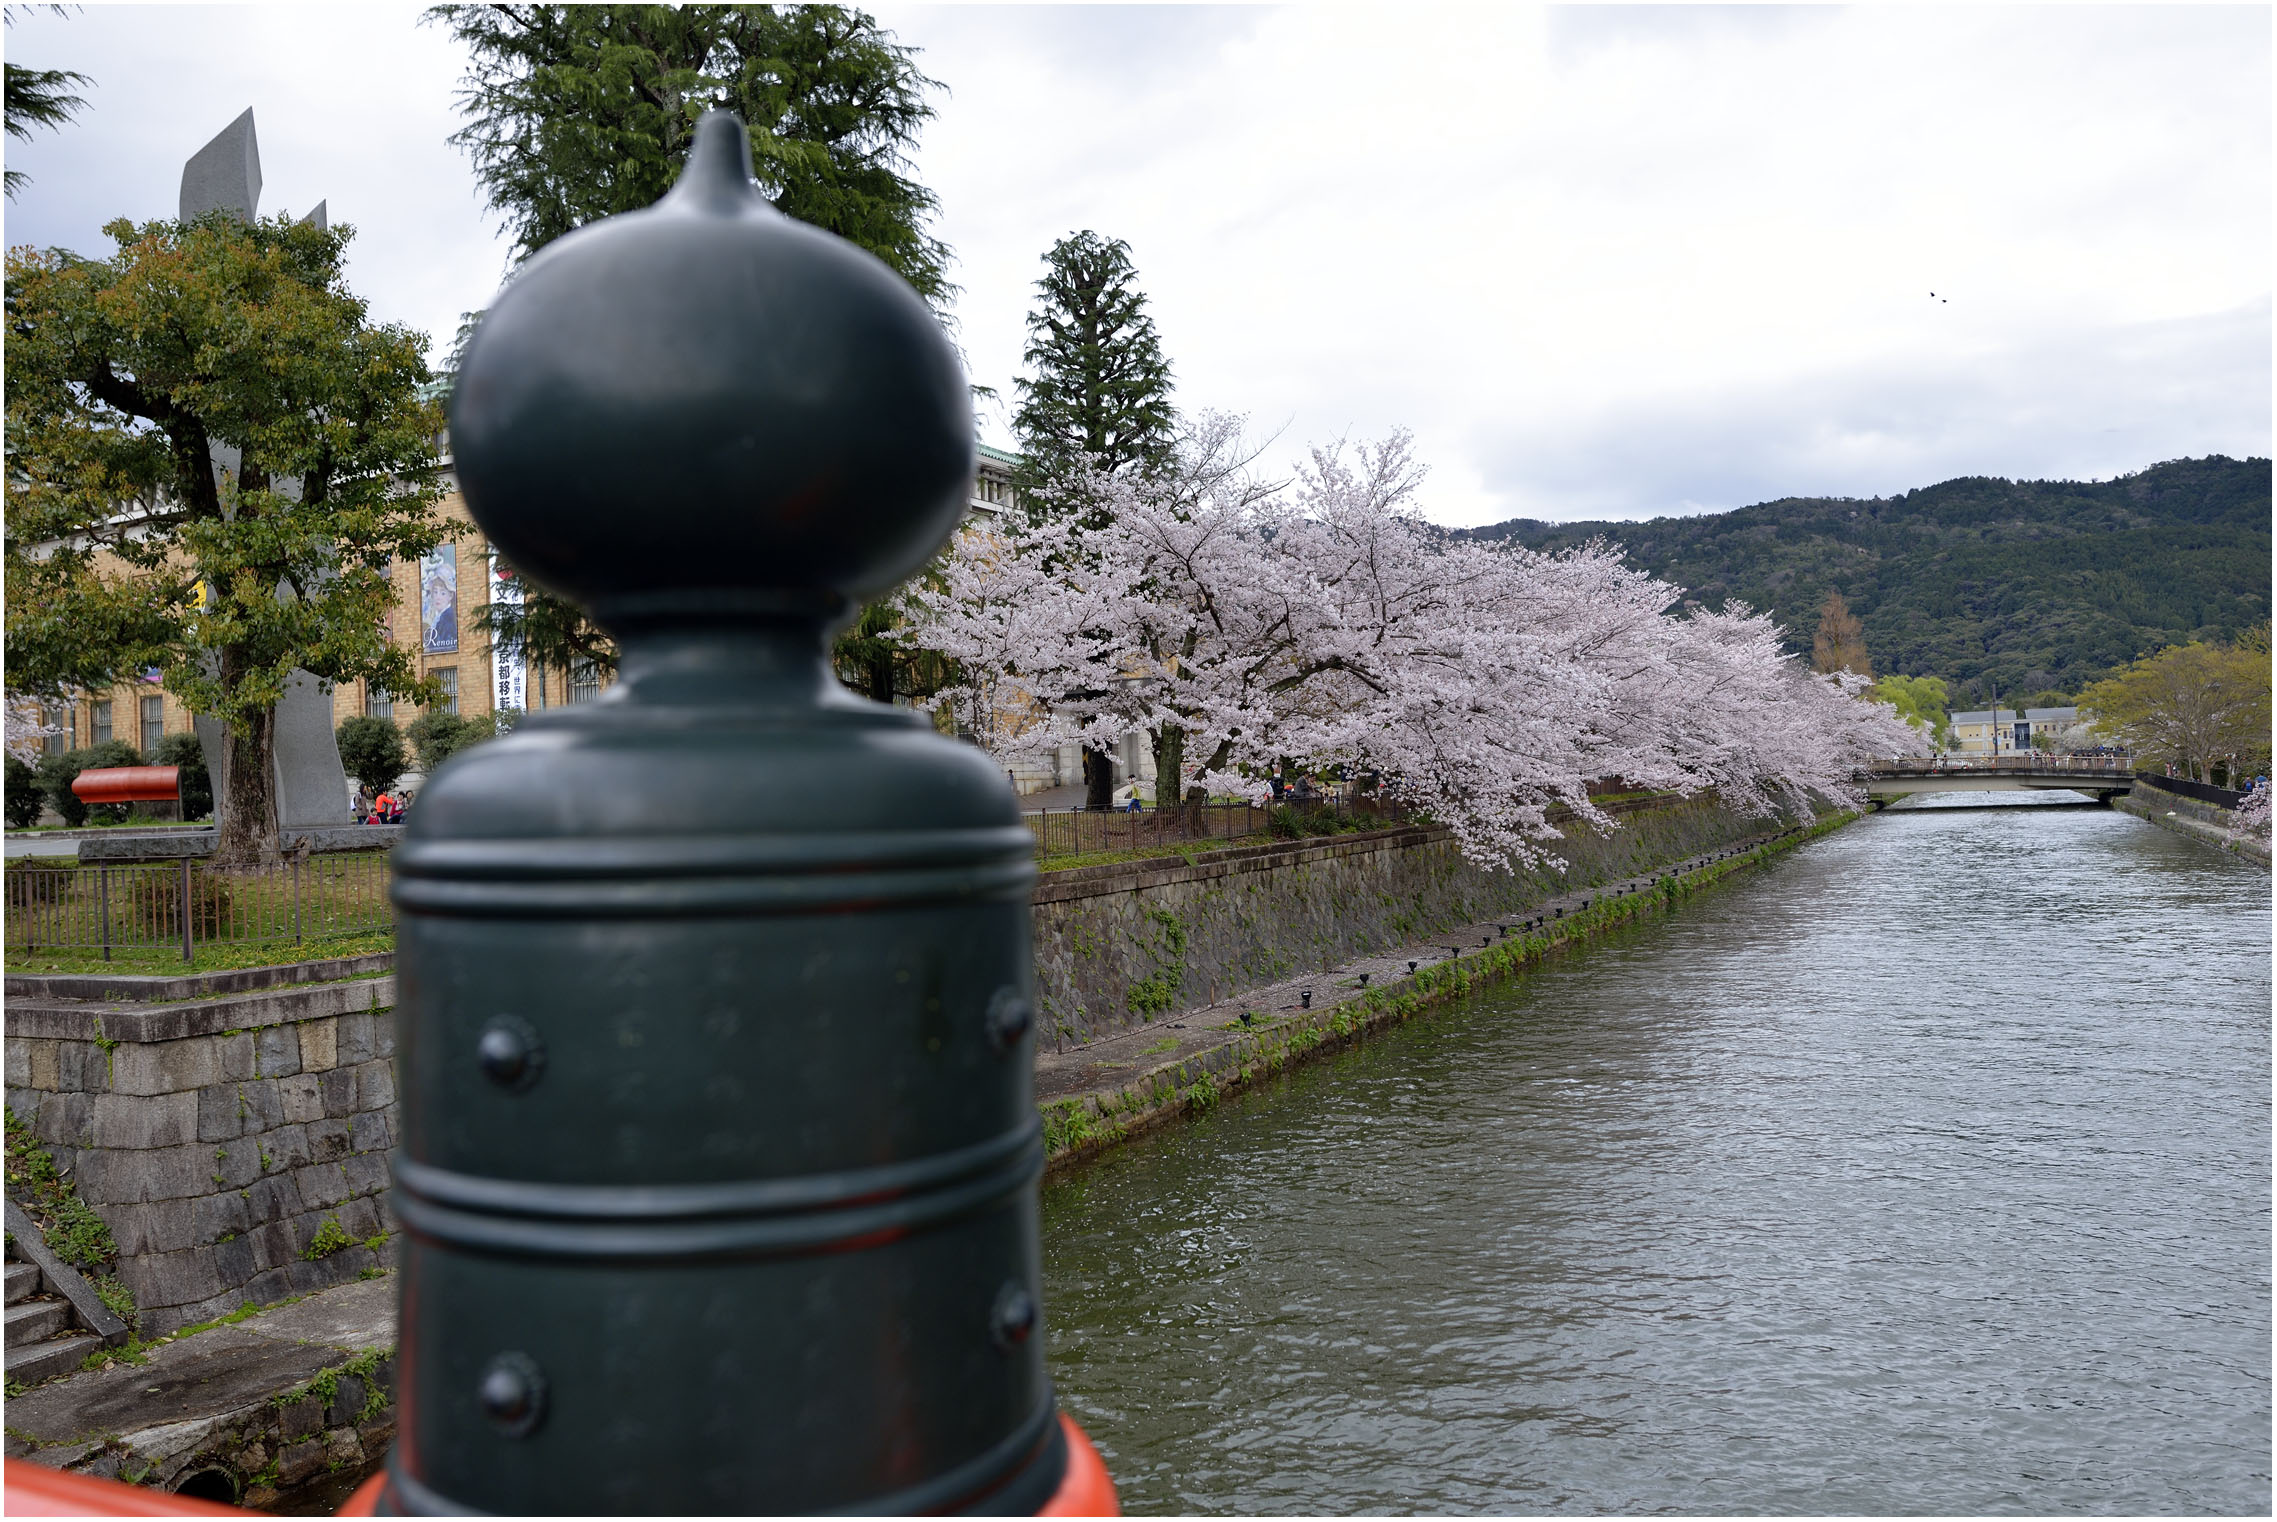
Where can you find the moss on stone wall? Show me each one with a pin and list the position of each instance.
(1107, 960)
(1082, 1127)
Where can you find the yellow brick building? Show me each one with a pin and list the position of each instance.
(434, 618)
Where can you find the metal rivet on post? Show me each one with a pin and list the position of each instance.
(1009, 1017)
(513, 1394)
(511, 1054)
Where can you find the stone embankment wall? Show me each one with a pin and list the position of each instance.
(2208, 822)
(1120, 945)
(236, 1137)
(235, 1145)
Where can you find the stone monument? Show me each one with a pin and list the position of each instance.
(311, 785)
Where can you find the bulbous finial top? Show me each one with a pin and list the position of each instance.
(709, 407)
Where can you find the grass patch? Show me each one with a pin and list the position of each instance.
(216, 957)
(1188, 849)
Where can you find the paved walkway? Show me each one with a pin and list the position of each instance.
(186, 1389)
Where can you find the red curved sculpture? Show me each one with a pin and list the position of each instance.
(129, 784)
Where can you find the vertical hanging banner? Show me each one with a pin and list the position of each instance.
(439, 600)
(509, 673)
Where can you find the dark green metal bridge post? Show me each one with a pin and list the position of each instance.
(719, 1149)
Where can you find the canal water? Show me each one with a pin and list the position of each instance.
(1926, 1169)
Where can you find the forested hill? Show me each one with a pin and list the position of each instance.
(2043, 585)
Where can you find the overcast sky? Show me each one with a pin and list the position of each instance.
(1613, 262)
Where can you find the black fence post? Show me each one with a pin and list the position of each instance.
(186, 953)
(103, 895)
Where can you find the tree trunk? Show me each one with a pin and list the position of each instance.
(1098, 780)
(1169, 764)
(247, 834)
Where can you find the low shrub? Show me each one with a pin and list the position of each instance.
(23, 796)
(182, 751)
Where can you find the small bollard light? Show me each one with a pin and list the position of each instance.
(1363, 980)
(1304, 1000)
(719, 1149)
(1411, 967)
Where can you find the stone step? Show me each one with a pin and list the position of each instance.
(45, 1360)
(31, 1321)
(23, 1281)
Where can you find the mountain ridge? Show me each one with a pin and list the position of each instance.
(1983, 581)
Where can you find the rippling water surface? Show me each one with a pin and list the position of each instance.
(1924, 1170)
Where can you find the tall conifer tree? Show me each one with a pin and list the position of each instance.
(579, 112)
(1096, 399)
(1097, 395)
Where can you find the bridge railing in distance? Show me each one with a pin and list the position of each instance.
(2031, 762)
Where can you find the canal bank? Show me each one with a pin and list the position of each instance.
(2198, 820)
(1119, 1087)
(1920, 1172)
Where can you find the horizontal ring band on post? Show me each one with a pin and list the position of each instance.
(697, 897)
(972, 1484)
(835, 1190)
(763, 1230)
(673, 856)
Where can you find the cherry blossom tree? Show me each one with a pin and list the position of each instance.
(1486, 685)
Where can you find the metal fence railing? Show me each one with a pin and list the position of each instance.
(181, 905)
(2018, 761)
(1076, 832)
(2204, 792)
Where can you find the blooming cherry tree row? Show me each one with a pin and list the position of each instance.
(1323, 620)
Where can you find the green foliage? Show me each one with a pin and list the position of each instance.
(2023, 584)
(1920, 701)
(2195, 705)
(38, 98)
(373, 752)
(23, 797)
(56, 774)
(578, 112)
(182, 751)
(1097, 394)
(127, 550)
(74, 1232)
(551, 634)
(439, 736)
(329, 1239)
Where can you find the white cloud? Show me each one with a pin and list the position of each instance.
(1604, 262)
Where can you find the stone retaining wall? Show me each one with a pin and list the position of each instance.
(2208, 822)
(219, 1137)
(1120, 945)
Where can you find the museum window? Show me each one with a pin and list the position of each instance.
(584, 682)
(449, 677)
(377, 703)
(153, 724)
(99, 723)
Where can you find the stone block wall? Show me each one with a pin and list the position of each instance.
(218, 1151)
(1120, 945)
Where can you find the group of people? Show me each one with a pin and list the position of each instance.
(387, 808)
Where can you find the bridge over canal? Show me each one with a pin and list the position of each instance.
(2099, 777)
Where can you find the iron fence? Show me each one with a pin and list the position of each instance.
(2204, 792)
(1076, 832)
(181, 905)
